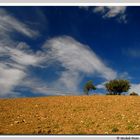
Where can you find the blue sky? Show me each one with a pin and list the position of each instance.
(55, 50)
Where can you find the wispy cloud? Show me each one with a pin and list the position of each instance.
(19, 56)
(107, 12)
(15, 56)
(8, 23)
(13, 66)
(78, 61)
(37, 86)
(118, 12)
(9, 78)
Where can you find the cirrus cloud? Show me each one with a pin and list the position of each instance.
(117, 12)
(78, 60)
(107, 12)
(17, 59)
(8, 23)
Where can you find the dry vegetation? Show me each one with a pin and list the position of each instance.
(71, 115)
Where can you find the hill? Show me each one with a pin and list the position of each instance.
(70, 115)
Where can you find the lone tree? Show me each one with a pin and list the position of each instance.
(89, 86)
(116, 87)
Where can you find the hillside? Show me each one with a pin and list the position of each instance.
(70, 115)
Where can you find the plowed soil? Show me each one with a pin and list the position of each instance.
(70, 115)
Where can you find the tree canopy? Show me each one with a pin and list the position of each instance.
(116, 87)
(89, 86)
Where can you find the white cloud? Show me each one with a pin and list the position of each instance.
(101, 85)
(38, 86)
(9, 23)
(69, 80)
(14, 62)
(22, 57)
(78, 60)
(118, 12)
(115, 11)
(9, 78)
(15, 57)
(99, 9)
(112, 12)
(135, 88)
(19, 56)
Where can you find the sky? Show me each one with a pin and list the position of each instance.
(55, 50)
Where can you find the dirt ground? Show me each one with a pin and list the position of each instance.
(71, 115)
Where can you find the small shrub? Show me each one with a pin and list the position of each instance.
(130, 127)
(133, 94)
(115, 129)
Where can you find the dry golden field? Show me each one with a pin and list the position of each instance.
(70, 115)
